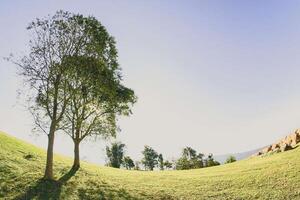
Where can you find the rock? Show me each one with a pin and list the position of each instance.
(285, 147)
(267, 149)
(285, 144)
(275, 146)
(276, 150)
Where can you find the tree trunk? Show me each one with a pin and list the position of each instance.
(49, 161)
(76, 163)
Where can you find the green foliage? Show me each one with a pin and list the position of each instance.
(97, 95)
(189, 159)
(189, 153)
(150, 158)
(160, 162)
(115, 154)
(128, 163)
(43, 69)
(210, 161)
(271, 177)
(168, 164)
(230, 159)
(183, 163)
(94, 84)
(137, 165)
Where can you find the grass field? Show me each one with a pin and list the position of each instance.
(270, 177)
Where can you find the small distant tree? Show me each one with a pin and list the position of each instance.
(160, 162)
(168, 164)
(183, 163)
(189, 159)
(137, 165)
(210, 161)
(189, 152)
(150, 158)
(128, 163)
(230, 159)
(197, 161)
(115, 154)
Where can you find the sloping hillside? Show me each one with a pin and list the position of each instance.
(270, 177)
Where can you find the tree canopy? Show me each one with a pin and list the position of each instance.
(128, 163)
(97, 95)
(150, 158)
(115, 154)
(189, 159)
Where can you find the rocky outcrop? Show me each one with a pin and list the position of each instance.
(285, 144)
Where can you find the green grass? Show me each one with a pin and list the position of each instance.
(270, 177)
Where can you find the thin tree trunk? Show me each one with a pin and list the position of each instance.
(49, 161)
(76, 163)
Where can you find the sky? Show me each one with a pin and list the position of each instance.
(219, 76)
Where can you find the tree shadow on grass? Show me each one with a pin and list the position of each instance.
(47, 189)
(51, 190)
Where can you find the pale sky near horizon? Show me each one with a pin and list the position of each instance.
(220, 76)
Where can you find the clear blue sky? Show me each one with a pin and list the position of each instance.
(220, 76)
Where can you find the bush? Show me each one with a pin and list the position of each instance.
(230, 159)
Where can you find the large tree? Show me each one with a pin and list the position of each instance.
(53, 40)
(97, 95)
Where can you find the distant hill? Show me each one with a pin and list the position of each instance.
(238, 156)
(265, 177)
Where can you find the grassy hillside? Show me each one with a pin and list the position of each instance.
(271, 177)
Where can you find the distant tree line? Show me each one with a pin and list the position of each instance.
(151, 160)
